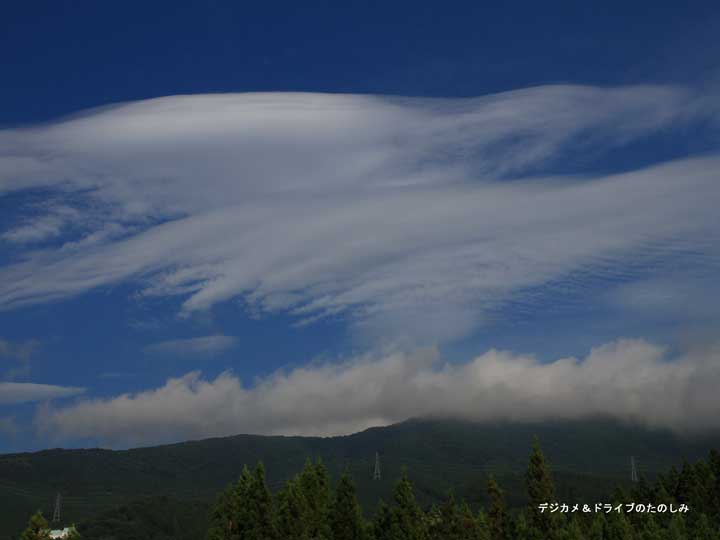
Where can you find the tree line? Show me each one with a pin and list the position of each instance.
(308, 507)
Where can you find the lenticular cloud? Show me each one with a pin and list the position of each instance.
(407, 216)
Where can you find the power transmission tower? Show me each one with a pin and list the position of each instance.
(633, 470)
(56, 512)
(376, 472)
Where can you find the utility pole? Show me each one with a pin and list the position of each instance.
(376, 472)
(56, 512)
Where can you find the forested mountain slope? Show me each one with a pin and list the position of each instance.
(588, 458)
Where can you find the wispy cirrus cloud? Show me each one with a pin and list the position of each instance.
(408, 216)
(633, 380)
(47, 225)
(199, 346)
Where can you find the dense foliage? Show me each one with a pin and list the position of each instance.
(307, 509)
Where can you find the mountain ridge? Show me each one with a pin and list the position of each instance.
(588, 457)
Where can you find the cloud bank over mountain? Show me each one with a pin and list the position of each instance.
(629, 379)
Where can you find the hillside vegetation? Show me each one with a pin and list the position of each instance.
(589, 458)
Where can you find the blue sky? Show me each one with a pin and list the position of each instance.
(218, 218)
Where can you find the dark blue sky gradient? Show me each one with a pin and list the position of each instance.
(63, 56)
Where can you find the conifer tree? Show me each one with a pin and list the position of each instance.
(382, 524)
(670, 482)
(407, 518)
(469, 524)
(703, 530)
(522, 527)
(260, 519)
(618, 527)
(661, 494)
(689, 488)
(572, 531)
(433, 518)
(676, 529)
(650, 530)
(229, 519)
(291, 513)
(597, 527)
(37, 528)
(315, 484)
(483, 526)
(220, 518)
(714, 497)
(346, 521)
(540, 489)
(451, 527)
(499, 521)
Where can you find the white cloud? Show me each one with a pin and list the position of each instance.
(200, 346)
(43, 227)
(629, 379)
(13, 392)
(387, 210)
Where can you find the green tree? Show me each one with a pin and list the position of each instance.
(260, 519)
(451, 523)
(315, 484)
(522, 527)
(618, 527)
(37, 528)
(676, 529)
(670, 481)
(470, 524)
(597, 527)
(714, 496)
(291, 512)
(483, 526)
(382, 524)
(221, 521)
(690, 488)
(703, 530)
(433, 519)
(229, 516)
(346, 521)
(650, 530)
(540, 489)
(499, 521)
(408, 521)
(572, 531)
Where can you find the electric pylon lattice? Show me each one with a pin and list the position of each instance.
(56, 512)
(633, 470)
